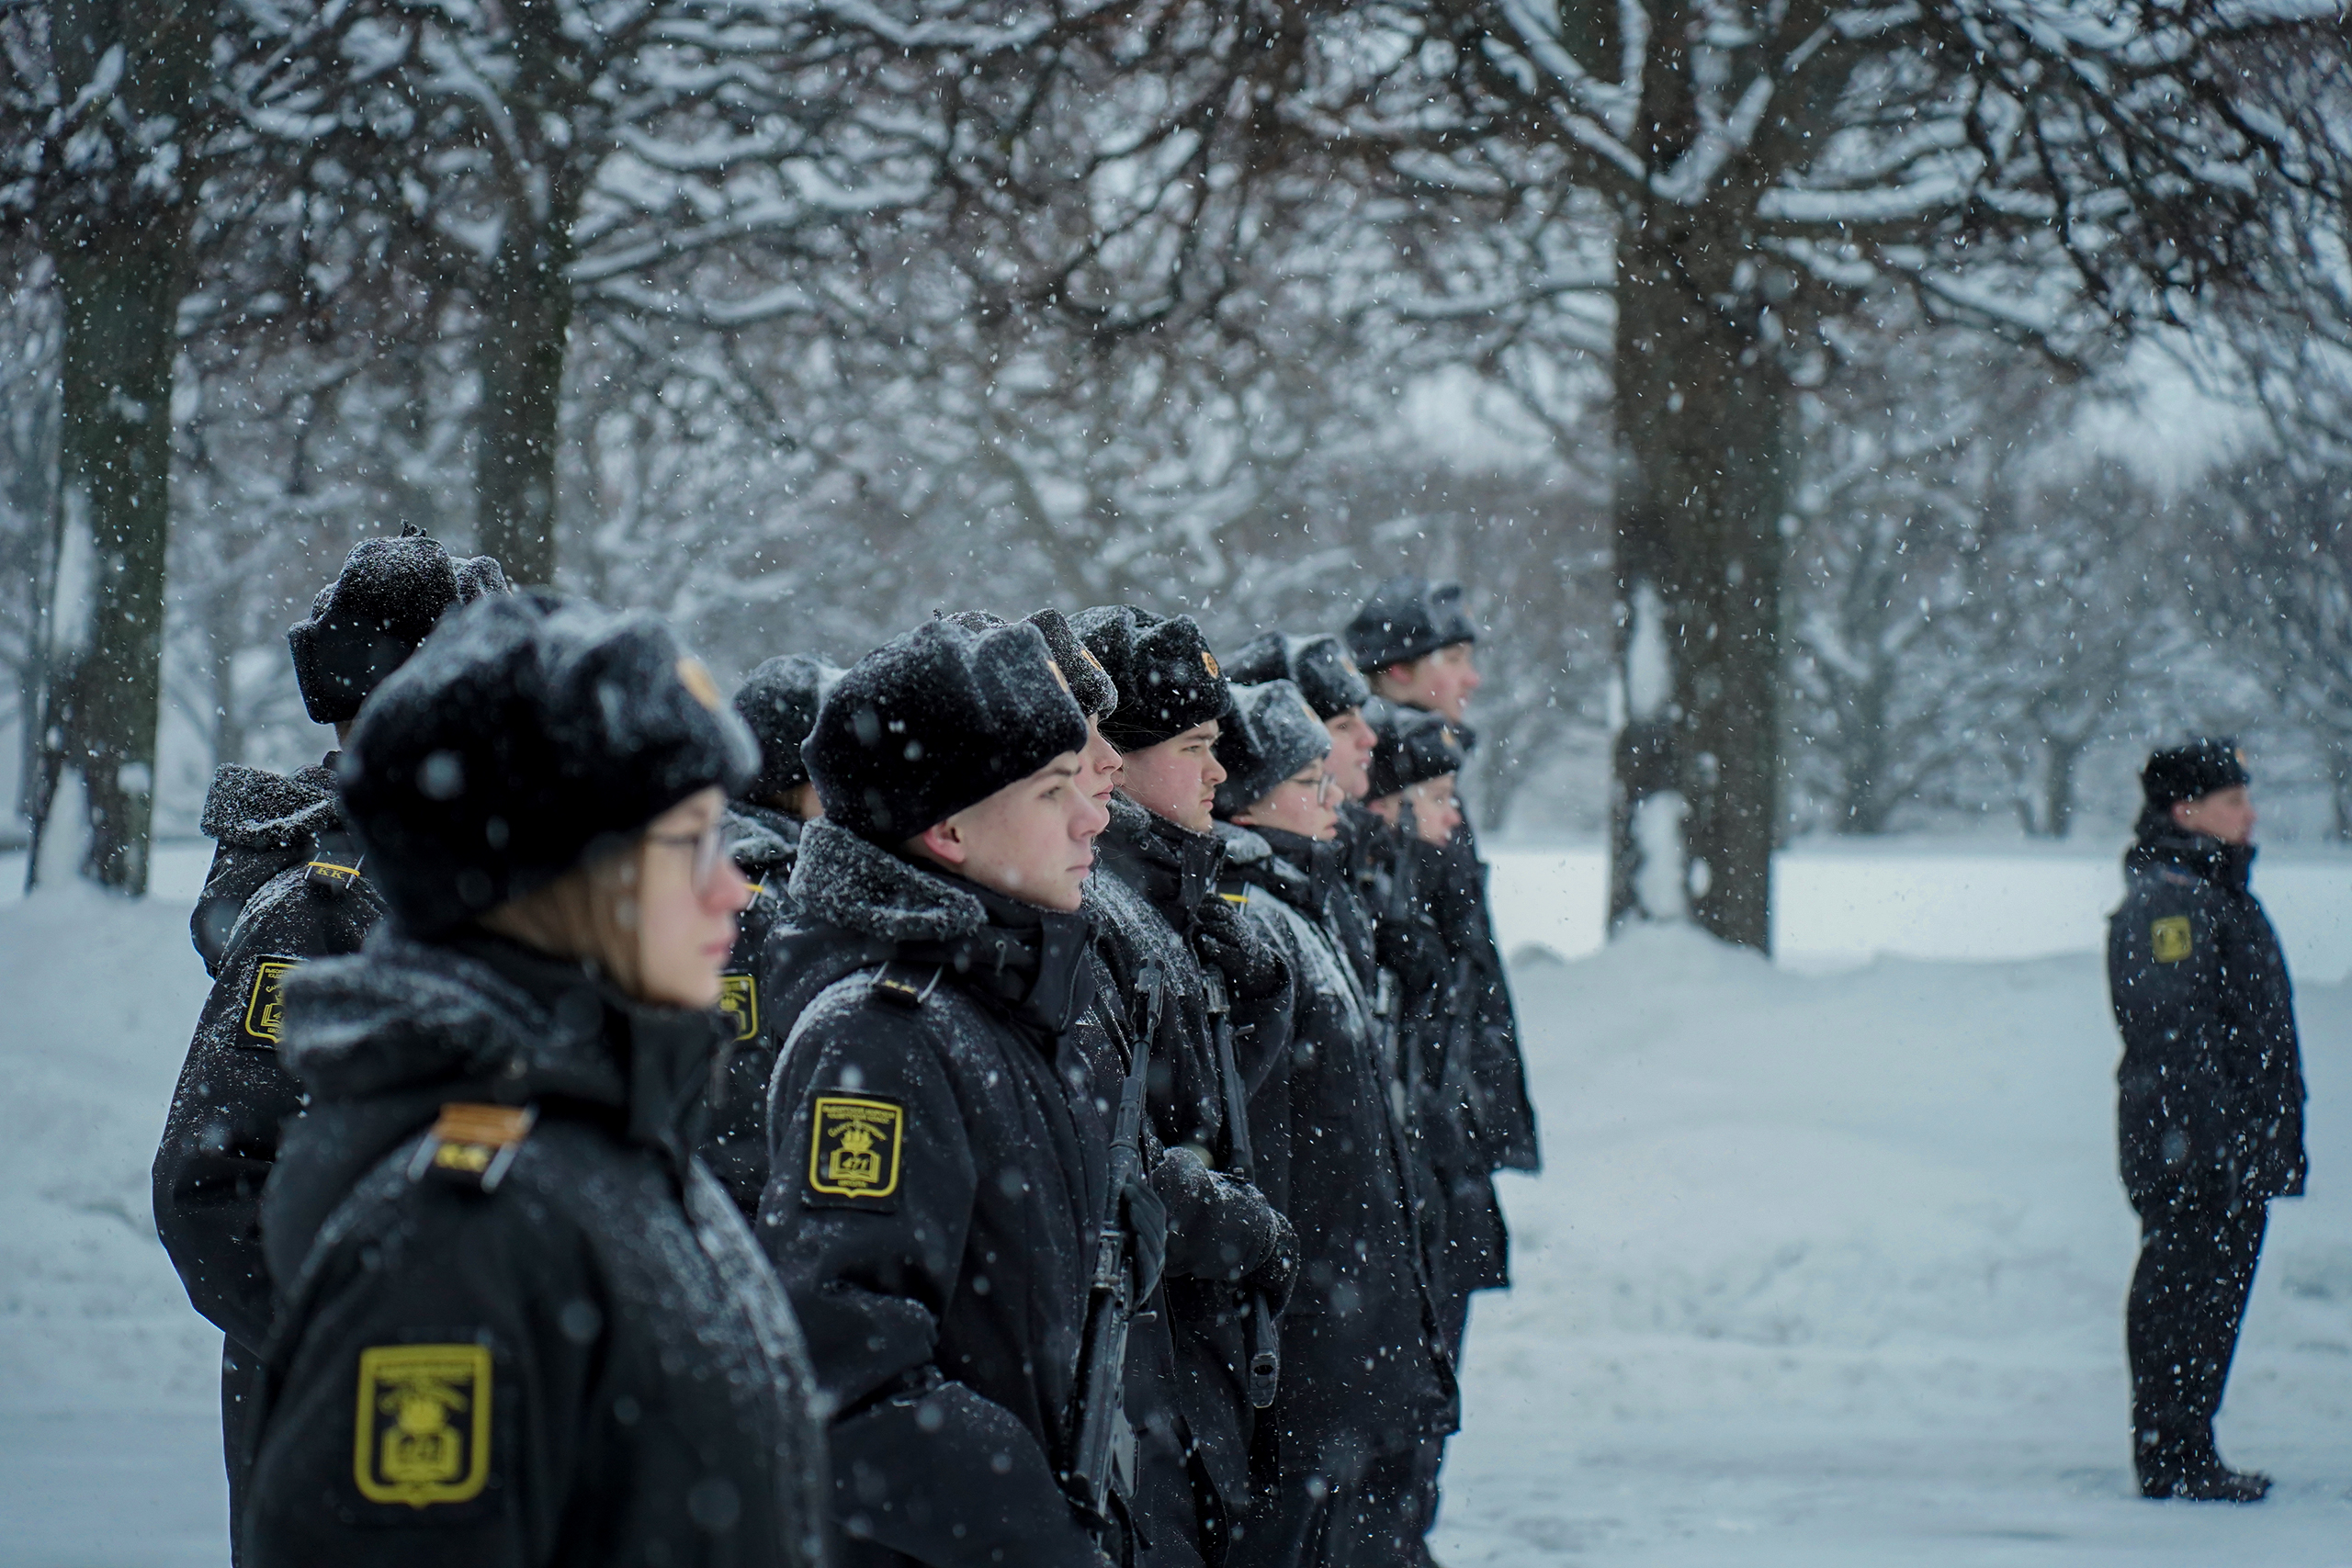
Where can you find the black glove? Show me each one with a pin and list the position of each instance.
(1274, 1276)
(1252, 966)
(1412, 951)
(1145, 1218)
(1219, 1227)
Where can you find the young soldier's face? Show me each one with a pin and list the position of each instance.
(1440, 682)
(1350, 758)
(1032, 841)
(2226, 814)
(1099, 766)
(1307, 802)
(1435, 812)
(1177, 778)
(687, 897)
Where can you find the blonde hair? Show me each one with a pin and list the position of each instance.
(590, 913)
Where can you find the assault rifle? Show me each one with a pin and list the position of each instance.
(1264, 1345)
(1103, 1445)
(1401, 1054)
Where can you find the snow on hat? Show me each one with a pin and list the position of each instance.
(1270, 735)
(365, 623)
(778, 701)
(1166, 679)
(1317, 665)
(1406, 618)
(935, 721)
(1090, 683)
(2193, 772)
(1412, 746)
(527, 736)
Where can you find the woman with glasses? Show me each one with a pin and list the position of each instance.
(518, 1322)
(1364, 1381)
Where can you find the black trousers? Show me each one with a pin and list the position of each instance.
(241, 1377)
(1360, 1510)
(2198, 1251)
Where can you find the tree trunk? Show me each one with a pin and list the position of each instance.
(1700, 413)
(526, 304)
(121, 285)
(2058, 764)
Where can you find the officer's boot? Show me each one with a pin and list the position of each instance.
(2172, 1463)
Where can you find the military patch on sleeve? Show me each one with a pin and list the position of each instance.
(422, 1436)
(854, 1147)
(265, 1009)
(2170, 939)
(739, 998)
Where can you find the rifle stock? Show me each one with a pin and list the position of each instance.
(1103, 1442)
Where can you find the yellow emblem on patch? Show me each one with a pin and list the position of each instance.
(266, 1010)
(2170, 939)
(739, 998)
(424, 1427)
(695, 678)
(854, 1147)
(1208, 661)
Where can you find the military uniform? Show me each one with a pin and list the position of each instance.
(765, 843)
(522, 1325)
(285, 888)
(1148, 899)
(1366, 1378)
(2210, 1121)
(938, 1170)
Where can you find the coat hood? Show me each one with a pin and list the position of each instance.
(253, 808)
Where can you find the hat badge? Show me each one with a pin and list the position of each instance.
(1208, 661)
(696, 679)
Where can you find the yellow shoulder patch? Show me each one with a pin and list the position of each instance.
(265, 1009)
(423, 1435)
(2170, 939)
(739, 998)
(853, 1146)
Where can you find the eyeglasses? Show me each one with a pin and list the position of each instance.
(1325, 786)
(709, 846)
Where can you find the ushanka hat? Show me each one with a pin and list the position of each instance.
(1405, 618)
(1090, 683)
(1270, 735)
(366, 624)
(1166, 679)
(2193, 772)
(778, 701)
(529, 735)
(935, 720)
(1412, 746)
(1317, 665)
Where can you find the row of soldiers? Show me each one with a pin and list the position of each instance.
(1032, 1096)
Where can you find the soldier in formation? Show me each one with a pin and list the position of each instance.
(1030, 1098)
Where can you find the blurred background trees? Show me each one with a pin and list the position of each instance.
(1807, 335)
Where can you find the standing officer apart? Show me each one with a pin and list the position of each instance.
(938, 1161)
(2210, 1105)
(519, 1323)
(287, 884)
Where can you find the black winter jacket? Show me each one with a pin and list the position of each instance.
(765, 843)
(1506, 1116)
(2210, 1086)
(938, 1161)
(1154, 874)
(265, 909)
(570, 1353)
(1363, 1366)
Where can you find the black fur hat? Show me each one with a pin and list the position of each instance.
(1270, 735)
(365, 623)
(778, 701)
(1166, 679)
(2193, 772)
(1405, 618)
(1412, 746)
(1090, 683)
(1318, 665)
(529, 735)
(935, 720)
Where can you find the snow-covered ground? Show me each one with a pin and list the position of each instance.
(1827, 1268)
